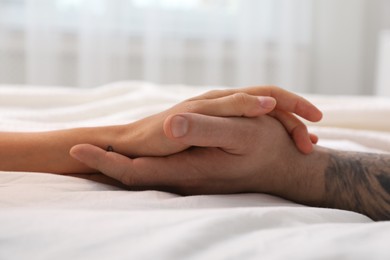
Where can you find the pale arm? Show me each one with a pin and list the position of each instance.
(49, 151)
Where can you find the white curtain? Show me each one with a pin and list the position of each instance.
(198, 42)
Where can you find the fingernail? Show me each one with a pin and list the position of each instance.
(267, 102)
(179, 126)
(74, 154)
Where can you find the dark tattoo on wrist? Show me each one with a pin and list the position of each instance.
(110, 148)
(359, 182)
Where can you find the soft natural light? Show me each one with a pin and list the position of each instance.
(302, 44)
(169, 4)
(193, 5)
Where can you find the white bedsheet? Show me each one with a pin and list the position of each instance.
(45, 216)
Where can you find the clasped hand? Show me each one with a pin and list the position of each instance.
(218, 142)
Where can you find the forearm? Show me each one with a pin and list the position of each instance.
(352, 181)
(49, 151)
(359, 182)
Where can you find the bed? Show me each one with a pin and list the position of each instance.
(46, 216)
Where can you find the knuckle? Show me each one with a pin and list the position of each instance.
(125, 177)
(274, 87)
(207, 95)
(304, 127)
(118, 172)
(213, 93)
(240, 99)
(191, 106)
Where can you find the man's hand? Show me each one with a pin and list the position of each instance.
(146, 137)
(253, 155)
(230, 155)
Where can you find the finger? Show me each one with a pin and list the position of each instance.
(139, 172)
(313, 138)
(297, 130)
(208, 131)
(286, 100)
(238, 104)
(112, 164)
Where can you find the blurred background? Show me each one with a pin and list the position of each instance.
(312, 46)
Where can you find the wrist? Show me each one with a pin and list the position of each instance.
(123, 139)
(303, 177)
(142, 138)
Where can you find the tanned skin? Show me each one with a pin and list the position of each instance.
(359, 182)
(235, 155)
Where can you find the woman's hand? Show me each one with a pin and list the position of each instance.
(146, 137)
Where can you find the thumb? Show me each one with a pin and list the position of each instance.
(140, 172)
(110, 163)
(207, 131)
